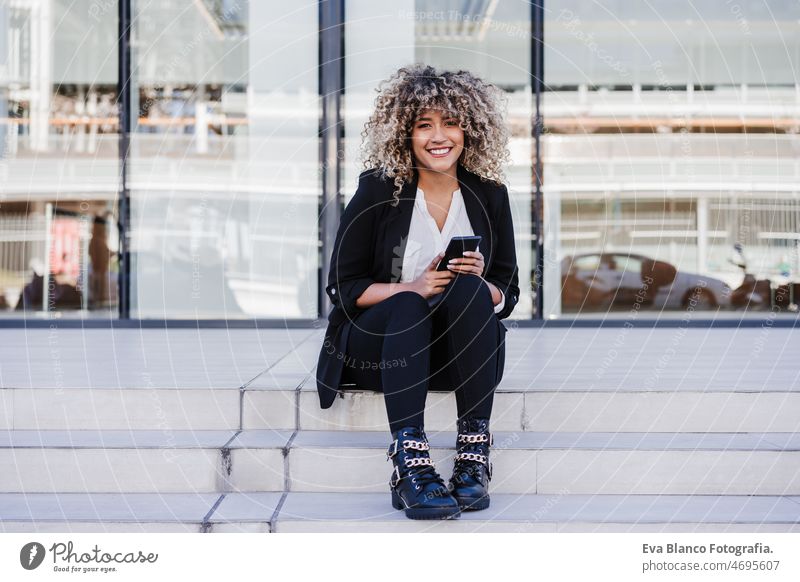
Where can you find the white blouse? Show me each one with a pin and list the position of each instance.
(425, 241)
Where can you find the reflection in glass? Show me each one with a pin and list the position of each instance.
(671, 140)
(59, 162)
(224, 174)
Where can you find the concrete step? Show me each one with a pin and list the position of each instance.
(149, 379)
(348, 462)
(543, 462)
(112, 461)
(106, 512)
(289, 401)
(165, 409)
(540, 409)
(561, 379)
(372, 512)
(289, 408)
(211, 430)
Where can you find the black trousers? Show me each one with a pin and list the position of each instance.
(402, 346)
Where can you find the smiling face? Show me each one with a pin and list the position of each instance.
(437, 141)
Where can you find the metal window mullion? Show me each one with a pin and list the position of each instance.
(124, 102)
(331, 133)
(537, 85)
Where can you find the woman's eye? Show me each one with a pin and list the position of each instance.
(446, 123)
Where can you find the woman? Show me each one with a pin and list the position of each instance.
(435, 146)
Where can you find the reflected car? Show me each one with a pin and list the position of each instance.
(606, 281)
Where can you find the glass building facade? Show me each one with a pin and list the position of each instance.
(189, 159)
(670, 158)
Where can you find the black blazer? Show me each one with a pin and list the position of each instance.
(369, 248)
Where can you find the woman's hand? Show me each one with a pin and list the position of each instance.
(431, 282)
(471, 262)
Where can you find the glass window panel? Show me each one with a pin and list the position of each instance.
(59, 159)
(670, 147)
(224, 173)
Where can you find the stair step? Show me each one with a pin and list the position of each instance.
(118, 461)
(105, 512)
(591, 463)
(140, 379)
(278, 409)
(621, 410)
(355, 461)
(367, 512)
(624, 430)
(372, 512)
(539, 410)
(122, 408)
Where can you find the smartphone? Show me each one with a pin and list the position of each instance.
(456, 247)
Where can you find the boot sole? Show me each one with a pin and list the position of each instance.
(467, 504)
(424, 512)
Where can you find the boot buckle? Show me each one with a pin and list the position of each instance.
(392, 481)
(391, 453)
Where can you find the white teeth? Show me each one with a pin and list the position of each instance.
(441, 151)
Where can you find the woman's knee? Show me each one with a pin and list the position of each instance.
(469, 291)
(409, 306)
(409, 301)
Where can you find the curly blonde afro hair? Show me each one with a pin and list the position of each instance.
(403, 97)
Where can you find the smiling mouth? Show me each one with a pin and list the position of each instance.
(439, 152)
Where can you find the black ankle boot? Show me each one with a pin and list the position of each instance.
(472, 470)
(415, 484)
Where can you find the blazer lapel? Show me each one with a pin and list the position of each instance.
(398, 223)
(472, 191)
